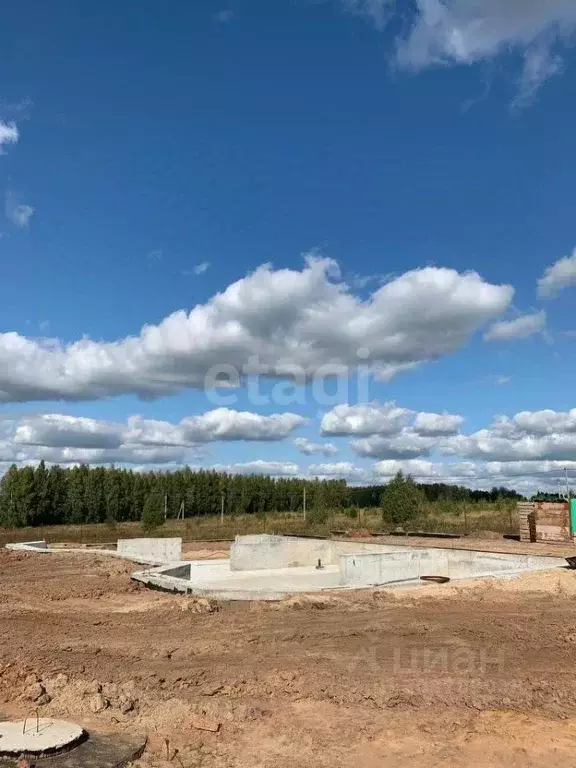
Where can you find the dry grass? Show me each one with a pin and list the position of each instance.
(461, 521)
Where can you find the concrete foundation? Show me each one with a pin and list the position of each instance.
(160, 550)
(30, 546)
(273, 567)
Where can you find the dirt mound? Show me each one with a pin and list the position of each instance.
(306, 602)
(199, 605)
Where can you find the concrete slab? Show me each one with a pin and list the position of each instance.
(217, 580)
(45, 736)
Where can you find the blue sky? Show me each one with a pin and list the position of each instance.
(155, 154)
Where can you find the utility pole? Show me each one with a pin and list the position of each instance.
(567, 486)
(181, 511)
(165, 506)
(304, 504)
(222, 510)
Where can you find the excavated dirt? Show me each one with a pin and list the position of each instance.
(475, 674)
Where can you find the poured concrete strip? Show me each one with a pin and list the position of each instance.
(29, 546)
(146, 555)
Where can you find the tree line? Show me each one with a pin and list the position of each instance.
(35, 496)
(370, 495)
(55, 495)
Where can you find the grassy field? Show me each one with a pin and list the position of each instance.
(461, 520)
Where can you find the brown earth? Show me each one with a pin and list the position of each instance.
(477, 674)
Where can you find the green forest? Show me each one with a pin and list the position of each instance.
(38, 496)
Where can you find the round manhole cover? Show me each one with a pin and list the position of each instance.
(38, 737)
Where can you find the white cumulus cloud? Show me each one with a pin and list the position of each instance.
(520, 328)
(437, 424)
(57, 437)
(560, 275)
(309, 448)
(406, 445)
(526, 436)
(415, 467)
(61, 431)
(8, 134)
(388, 430)
(339, 470)
(464, 32)
(284, 319)
(226, 424)
(369, 419)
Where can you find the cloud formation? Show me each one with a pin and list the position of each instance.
(18, 213)
(62, 438)
(199, 269)
(261, 467)
(464, 32)
(528, 450)
(279, 321)
(388, 431)
(8, 134)
(339, 470)
(528, 436)
(557, 277)
(406, 445)
(388, 420)
(437, 424)
(369, 419)
(309, 448)
(520, 328)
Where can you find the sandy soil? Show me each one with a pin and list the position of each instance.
(476, 674)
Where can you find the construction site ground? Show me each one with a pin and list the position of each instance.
(479, 673)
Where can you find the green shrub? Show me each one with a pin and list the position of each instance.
(153, 513)
(401, 500)
(317, 516)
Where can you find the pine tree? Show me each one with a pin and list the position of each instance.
(153, 512)
(43, 504)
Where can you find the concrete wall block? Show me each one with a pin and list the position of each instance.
(254, 553)
(161, 550)
(366, 569)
